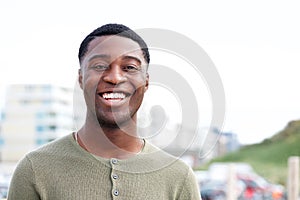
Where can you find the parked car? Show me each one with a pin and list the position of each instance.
(258, 188)
(214, 182)
(4, 183)
(216, 189)
(213, 190)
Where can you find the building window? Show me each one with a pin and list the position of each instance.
(52, 127)
(1, 141)
(39, 141)
(46, 101)
(2, 116)
(46, 88)
(40, 128)
(40, 115)
(29, 88)
(52, 114)
(25, 101)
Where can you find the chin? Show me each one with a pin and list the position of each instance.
(115, 122)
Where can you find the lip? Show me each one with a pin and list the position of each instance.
(113, 102)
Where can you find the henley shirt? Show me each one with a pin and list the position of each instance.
(62, 170)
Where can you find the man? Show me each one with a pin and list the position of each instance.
(106, 159)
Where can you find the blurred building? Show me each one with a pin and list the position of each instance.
(204, 144)
(180, 140)
(193, 144)
(34, 115)
(225, 142)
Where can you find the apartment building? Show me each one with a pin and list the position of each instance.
(32, 116)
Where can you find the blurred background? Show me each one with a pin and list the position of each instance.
(254, 45)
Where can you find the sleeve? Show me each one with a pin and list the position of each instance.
(22, 185)
(190, 188)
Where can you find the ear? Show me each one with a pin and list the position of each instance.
(80, 78)
(147, 82)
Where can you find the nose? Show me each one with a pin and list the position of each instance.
(114, 75)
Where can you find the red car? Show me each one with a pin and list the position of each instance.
(257, 187)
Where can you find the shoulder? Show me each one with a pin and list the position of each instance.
(58, 149)
(165, 161)
(55, 156)
(60, 144)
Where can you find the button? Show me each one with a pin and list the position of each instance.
(115, 176)
(114, 161)
(116, 192)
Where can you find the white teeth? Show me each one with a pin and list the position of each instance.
(113, 95)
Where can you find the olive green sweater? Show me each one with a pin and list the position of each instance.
(62, 170)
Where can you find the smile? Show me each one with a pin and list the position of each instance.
(114, 96)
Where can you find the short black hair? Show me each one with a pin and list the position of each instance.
(113, 29)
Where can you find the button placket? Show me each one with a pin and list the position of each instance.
(114, 177)
(114, 180)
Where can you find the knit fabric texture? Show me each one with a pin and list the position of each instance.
(62, 170)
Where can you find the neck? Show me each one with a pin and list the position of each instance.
(110, 142)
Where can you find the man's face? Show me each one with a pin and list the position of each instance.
(114, 79)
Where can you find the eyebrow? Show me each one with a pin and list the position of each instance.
(99, 56)
(132, 57)
(125, 57)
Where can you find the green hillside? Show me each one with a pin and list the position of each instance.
(270, 157)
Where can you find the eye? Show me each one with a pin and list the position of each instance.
(131, 68)
(100, 67)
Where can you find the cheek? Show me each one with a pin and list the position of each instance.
(90, 82)
(140, 94)
(140, 82)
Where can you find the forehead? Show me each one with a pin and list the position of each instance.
(114, 46)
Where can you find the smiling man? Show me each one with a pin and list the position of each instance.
(106, 159)
(113, 76)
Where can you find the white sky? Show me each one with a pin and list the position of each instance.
(255, 46)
